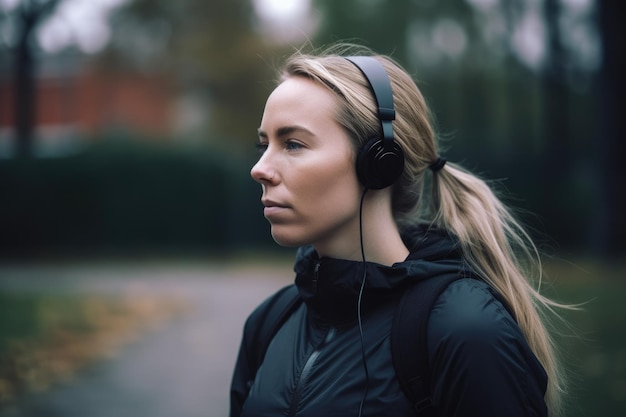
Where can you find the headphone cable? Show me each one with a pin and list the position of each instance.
(367, 378)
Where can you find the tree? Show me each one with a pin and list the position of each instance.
(557, 158)
(609, 222)
(28, 15)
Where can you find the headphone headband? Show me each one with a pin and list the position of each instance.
(380, 86)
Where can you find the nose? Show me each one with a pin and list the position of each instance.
(262, 172)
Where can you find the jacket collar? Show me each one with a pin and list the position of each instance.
(330, 287)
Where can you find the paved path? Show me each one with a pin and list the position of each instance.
(181, 370)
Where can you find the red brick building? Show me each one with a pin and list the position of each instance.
(75, 102)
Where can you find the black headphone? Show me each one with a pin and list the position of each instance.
(380, 161)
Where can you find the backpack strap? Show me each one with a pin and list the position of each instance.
(258, 332)
(273, 316)
(409, 335)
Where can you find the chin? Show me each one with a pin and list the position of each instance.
(288, 243)
(289, 240)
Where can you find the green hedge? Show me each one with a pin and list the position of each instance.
(120, 198)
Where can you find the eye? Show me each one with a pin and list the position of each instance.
(292, 145)
(261, 147)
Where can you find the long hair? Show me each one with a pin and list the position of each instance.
(493, 242)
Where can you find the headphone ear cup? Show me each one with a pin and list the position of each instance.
(379, 164)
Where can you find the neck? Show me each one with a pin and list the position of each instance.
(382, 243)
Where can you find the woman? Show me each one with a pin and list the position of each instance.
(488, 350)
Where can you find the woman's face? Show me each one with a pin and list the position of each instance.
(310, 189)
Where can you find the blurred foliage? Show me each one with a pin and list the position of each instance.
(212, 48)
(46, 339)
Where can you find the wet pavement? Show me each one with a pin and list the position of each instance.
(182, 369)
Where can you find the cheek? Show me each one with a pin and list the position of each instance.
(330, 186)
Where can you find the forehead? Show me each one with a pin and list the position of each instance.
(301, 97)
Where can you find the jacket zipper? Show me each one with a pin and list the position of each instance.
(306, 371)
(316, 276)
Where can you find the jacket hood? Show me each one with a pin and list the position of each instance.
(330, 287)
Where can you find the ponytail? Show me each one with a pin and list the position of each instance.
(499, 249)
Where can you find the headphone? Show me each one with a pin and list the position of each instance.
(380, 161)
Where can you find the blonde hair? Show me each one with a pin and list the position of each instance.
(496, 245)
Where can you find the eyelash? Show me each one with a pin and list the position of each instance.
(261, 147)
(292, 145)
(289, 145)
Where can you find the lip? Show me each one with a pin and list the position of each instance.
(273, 208)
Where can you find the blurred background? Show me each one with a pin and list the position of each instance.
(132, 241)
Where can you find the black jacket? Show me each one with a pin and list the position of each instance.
(480, 362)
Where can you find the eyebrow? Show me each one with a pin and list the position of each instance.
(286, 130)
